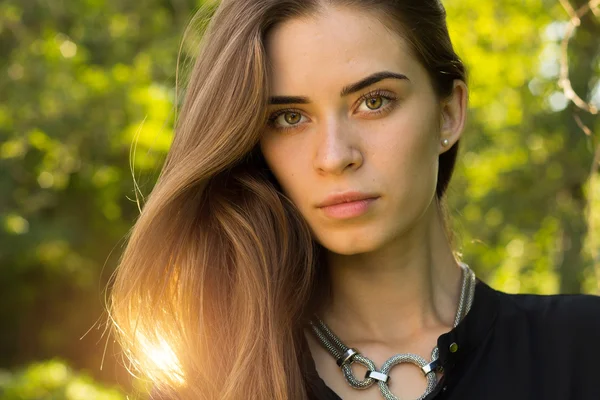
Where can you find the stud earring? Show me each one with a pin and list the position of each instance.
(445, 142)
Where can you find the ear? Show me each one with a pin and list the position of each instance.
(453, 115)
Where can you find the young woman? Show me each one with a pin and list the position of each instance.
(295, 246)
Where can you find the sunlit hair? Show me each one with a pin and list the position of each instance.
(221, 272)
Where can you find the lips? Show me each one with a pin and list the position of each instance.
(346, 197)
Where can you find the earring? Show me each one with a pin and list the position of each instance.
(445, 142)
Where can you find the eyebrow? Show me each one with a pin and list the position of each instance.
(349, 89)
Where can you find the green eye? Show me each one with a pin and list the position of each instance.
(374, 102)
(285, 119)
(377, 102)
(292, 118)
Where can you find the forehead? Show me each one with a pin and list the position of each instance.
(332, 48)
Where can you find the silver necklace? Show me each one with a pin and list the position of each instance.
(346, 356)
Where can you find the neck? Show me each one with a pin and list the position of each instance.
(407, 287)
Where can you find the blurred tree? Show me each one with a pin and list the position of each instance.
(584, 54)
(78, 79)
(519, 197)
(53, 380)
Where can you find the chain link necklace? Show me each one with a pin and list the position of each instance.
(346, 356)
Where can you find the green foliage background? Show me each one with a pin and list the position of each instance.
(81, 80)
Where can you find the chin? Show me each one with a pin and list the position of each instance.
(350, 244)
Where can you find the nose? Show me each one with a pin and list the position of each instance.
(337, 149)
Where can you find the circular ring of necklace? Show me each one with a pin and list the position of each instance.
(406, 358)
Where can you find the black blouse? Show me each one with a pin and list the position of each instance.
(513, 346)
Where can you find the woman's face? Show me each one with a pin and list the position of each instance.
(334, 130)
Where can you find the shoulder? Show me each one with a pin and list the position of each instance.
(573, 315)
(565, 305)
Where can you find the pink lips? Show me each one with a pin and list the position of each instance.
(347, 205)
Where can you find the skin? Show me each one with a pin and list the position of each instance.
(395, 281)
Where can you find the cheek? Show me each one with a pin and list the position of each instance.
(282, 162)
(408, 161)
(407, 145)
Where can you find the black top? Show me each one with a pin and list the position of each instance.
(513, 346)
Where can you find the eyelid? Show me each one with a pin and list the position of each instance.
(277, 113)
(377, 93)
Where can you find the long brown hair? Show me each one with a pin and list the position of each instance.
(220, 272)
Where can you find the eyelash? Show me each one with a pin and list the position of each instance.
(374, 94)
